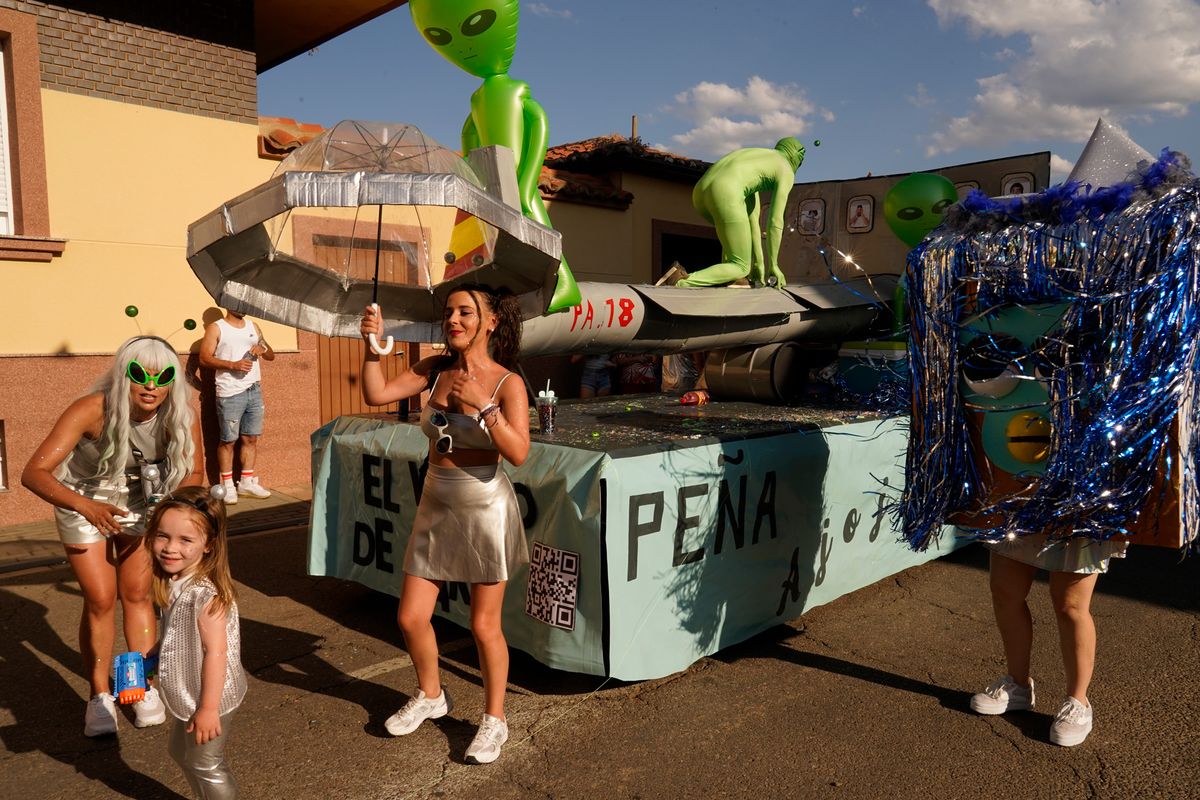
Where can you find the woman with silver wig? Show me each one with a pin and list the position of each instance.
(111, 456)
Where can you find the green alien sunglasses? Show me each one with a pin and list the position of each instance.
(138, 374)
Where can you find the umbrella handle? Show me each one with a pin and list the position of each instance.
(387, 345)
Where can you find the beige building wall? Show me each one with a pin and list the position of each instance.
(656, 201)
(612, 245)
(123, 189)
(123, 182)
(597, 242)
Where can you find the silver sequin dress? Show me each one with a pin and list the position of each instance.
(181, 657)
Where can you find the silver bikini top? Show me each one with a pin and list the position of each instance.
(466, 431)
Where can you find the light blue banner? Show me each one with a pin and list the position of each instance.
(640, 564)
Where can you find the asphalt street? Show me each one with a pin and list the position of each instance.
(866, 697)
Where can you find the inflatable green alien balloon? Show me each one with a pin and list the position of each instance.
(480, 37)
(915, 205)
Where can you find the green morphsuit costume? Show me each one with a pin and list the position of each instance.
(480, 37)
(727, 196)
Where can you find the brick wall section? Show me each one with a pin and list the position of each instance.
(195, 56)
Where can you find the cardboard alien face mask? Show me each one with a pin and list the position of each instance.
(1006, 361)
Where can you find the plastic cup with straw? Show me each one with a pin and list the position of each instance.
(547, 405)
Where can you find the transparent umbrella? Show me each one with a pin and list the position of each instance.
(368, 212)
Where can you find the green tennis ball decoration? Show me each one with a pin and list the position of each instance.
(190, 324)
(131, 311)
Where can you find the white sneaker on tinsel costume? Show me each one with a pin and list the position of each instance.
(1004, 694)
(149, 710)
(100, 719)
(1072, 723)
(250, 487)
(485, 747)
(230, 493)
(417, 710)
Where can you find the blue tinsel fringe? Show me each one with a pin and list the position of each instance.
(1127, 259)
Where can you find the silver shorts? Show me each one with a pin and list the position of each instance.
(73, 528)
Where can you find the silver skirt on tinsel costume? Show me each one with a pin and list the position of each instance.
(1081, 556)
(468, 527)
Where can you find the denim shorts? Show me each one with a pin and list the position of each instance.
(597, 379)
(241, 414)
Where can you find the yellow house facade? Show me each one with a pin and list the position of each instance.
(124, 123)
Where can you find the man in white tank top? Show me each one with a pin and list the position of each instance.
(232, 348)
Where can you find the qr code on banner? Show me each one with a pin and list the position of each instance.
(553, 586)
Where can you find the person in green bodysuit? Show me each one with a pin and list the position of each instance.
(480, 37)
(727, 196)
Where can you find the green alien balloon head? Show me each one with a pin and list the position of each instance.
(477, 36)
(915, 206)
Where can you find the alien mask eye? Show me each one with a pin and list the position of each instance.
(990, 364)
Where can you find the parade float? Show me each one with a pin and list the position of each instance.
(658, 533)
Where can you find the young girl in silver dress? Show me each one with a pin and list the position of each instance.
(468, 526)
(200, 671)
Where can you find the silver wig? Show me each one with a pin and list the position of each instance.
(155, 355)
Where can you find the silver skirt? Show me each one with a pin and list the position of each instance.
(1081, 556)
(467, 528)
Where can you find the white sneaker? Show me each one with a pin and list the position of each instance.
(1004, 694)
(149, 710)
(485, 747)
(250, 487)
(100, 719)
(230, 493)
(417, 710)
(1072, 723)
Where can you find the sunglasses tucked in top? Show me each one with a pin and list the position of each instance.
(446, 429)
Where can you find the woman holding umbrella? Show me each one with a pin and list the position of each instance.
(468, 526)
(112, 454)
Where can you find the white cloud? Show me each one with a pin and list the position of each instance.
(725, 118)
(543, 10)
(922, 98)
(1060, 168)
(858, 11)
(1120, 59)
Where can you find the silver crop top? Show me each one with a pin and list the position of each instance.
(466, 431)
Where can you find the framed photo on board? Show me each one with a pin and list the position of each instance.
(860, 214)
(810, 217)
(1017, 183)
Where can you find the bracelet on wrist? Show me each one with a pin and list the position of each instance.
(488, 415)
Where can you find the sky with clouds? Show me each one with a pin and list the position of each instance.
(887, 86)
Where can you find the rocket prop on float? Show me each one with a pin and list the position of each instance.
(1053, 347)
